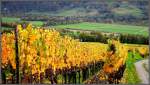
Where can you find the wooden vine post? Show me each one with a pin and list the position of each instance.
(0, 57)
(17, 55)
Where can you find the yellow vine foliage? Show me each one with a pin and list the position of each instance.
(114, 61)
(142, 49)
(39, 48)
(8, 50)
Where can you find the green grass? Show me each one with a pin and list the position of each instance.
(116, 28)
(71, 12)
(127, 10)
(6, 28)
(131, 75)
(40, 13)
(10, 19)
(13, 19)
(67, 12)
(77, 12)
(36, 23)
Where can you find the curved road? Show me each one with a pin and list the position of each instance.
(142, 73)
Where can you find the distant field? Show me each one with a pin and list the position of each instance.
(6, 28)
(67, 12)
(116, 28)
(12, 19)
(123, 10)
(36, 23)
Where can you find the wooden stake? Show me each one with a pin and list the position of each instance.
(17, 56)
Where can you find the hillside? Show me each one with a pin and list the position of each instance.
(119, 11)
(63, 7)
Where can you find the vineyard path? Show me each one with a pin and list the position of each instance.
(142, 73)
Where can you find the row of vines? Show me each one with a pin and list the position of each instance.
(45, 55)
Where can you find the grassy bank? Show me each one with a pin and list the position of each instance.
(130, 75)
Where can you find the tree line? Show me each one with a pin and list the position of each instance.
(96, 36)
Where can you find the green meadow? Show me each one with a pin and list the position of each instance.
(13, 19)
(115, 28)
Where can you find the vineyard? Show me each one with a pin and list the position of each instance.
(31, 55)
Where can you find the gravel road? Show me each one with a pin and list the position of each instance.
(142, 73)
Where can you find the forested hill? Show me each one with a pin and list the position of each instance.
(92, 7)
(128, 11)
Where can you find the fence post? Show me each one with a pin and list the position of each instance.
(17, 55)
(0, 57)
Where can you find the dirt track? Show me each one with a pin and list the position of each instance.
(142, 73)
